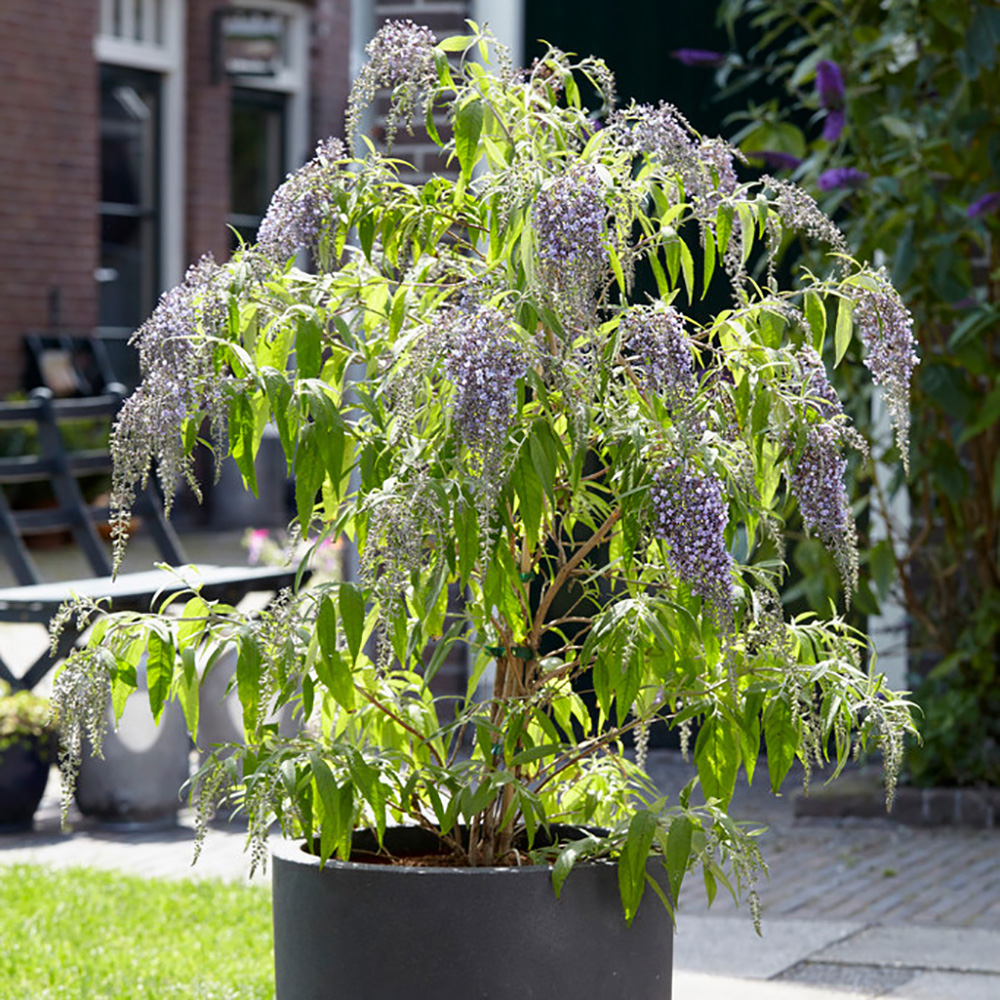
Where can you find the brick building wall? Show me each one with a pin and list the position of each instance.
(207, 140)
(48, 172)
(330, 59)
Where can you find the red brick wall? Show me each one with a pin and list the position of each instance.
(329, 68)
(207, 197)
(48, 170)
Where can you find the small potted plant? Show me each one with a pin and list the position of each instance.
(506, 390)
(27, 751)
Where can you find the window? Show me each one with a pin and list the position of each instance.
(129, 209)
(268, 112)
(257, 156)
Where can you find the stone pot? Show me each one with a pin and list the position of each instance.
(138, 781)
(24, 773)
(375, 930)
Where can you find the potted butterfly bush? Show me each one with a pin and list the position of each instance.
(505, 389)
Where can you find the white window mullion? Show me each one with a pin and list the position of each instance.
(126, 30)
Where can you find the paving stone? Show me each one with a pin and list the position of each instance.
(851, 979)
(946, 949)
(730, 946)
(948, 986)
(699, 986)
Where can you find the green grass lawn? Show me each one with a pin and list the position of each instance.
(82, 934)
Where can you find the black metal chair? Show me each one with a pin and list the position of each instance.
(32, 599)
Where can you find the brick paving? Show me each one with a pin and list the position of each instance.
(872, 869)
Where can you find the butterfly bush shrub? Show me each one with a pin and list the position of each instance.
(468, 385)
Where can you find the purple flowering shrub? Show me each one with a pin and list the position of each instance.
(582, 489)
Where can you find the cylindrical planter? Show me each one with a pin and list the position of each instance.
(369, 931)
(24, 772)
(139, 778)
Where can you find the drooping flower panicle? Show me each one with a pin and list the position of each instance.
(690, 514)
(660, 352)
(400, 57)
(698, 57)
(483, 361)
(841, 177)
(570, 216)
(886, 329)
(302, 210)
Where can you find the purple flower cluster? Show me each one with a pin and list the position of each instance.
(698, 57)
(690, 513)
(712, 177)
(659, 350)
(662, 133)
(841, 177)
(401, 57)
(401, 51)
(178, 381)
(830, 89)
(817, 483)
(483, 360)
(988, 203)
(705, 166)
(775, 159)
(816, 385)
(300, 213)
(885, 326)
(570, 216)
(799, 212)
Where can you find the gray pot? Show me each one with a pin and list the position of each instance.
(139, 779)
(369, 931)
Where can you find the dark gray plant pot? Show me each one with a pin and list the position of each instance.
(370, 931)
(24, 772)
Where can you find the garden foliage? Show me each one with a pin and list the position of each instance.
(888, 112)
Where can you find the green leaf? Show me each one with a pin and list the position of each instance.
(188, 686)
(678, 854)
(845, 327)
(309, 473)
(308, 347)
(352, 617)
(564, 865)
(709, 260)
(632, 863)
(816, 318)
(750, 733)
(687, 266)
(468, 126)
(331, 830)
(242, 434)
(248, 673)
(456, 43)
(159, 671)
(782, 741)
(528, 488)
(331, 668)
(717, 757)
